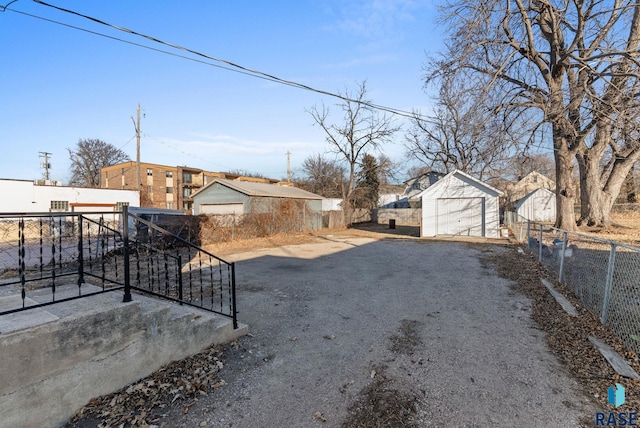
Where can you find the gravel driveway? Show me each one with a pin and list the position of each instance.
(352, 325)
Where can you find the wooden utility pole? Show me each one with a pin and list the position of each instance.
(136, 124)
(288, 166)
(46, 165)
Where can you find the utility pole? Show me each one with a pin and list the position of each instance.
(136, 124)
(46, 165)
(288, 166)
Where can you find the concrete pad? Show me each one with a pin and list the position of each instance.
(22, 320)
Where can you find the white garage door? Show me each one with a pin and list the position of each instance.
(461, 216)
(236, 209)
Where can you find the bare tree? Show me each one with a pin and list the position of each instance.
(524, 163)
(574, 62)
(323, 176)
(362, 127)
(464, 132)
(387, 169)
(88, 157)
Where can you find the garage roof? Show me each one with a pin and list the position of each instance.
(264, 189)
(444, 181)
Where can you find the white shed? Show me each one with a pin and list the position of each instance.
(538, 205)
(459, 204)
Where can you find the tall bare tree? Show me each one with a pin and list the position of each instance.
(464, 133)
(576, 63)
(387, 169)
(88, 157)
(323, 176)
(361, 128)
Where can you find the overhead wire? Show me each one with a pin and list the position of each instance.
(118, 39)
(229, 65)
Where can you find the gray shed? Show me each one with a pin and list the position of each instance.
(231, 197)
(538, 205)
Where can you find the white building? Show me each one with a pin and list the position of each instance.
(459, 204)
(539, 205)
(25, 196)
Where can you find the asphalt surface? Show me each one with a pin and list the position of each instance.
(324, 319)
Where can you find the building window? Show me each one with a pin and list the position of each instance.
(150, 189)
(169, 189)
(534, 178)
(187, 205)
(187, 178)
(169, 174)
(149, 172)
(59, 205)
(119, 205)
(169, 205)
(186, 192)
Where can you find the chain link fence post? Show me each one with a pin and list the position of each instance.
(562, 256)
(608, 284)
(540, 245)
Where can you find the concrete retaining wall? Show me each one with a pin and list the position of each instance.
(49, 371)
(403, 216)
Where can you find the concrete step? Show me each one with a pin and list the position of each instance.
(88, 347)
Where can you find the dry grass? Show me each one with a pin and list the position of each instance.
(625, 228)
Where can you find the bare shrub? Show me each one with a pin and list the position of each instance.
(265, 218)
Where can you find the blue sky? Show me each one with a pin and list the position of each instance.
(60, 85)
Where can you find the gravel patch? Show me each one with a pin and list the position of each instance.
(354, 331)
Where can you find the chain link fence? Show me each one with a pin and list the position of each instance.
(603, 274)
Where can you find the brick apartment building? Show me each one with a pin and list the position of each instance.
(165, 186)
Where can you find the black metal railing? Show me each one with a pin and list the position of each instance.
(43, 253)
(165, 265)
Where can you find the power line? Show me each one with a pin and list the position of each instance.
(229, 65)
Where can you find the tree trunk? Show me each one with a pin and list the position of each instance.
(596, 199)
(565, 190)
(595, 204)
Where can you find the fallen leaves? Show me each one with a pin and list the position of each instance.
(320, 417)
(143, 403)
(567, 336)
(381, 403)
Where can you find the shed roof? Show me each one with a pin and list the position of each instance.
(464, 177)
(263, 189)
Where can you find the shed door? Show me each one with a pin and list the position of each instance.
(460, 216)
(235, 209)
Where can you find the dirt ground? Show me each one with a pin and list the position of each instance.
(373, 327)
(625, 228)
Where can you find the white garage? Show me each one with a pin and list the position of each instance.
(460, 205)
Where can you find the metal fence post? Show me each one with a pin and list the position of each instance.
(608, 284)
(564, 248)
(80, 255)
(125, 238)
(233, 296)
(540, 245)
(180, 278)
